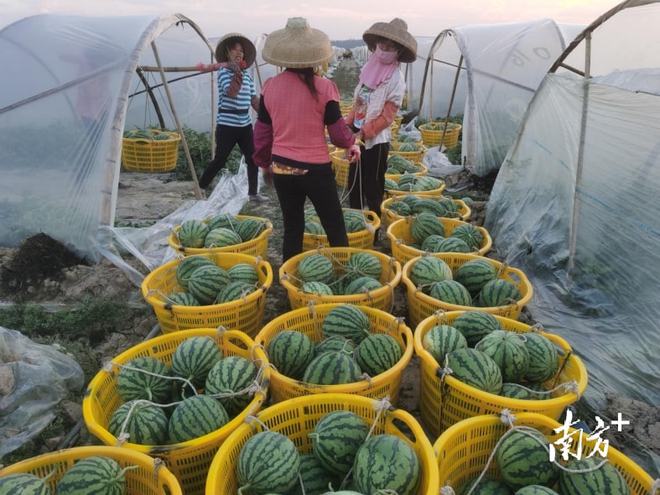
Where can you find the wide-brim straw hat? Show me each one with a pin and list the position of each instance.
(297, 46)
(228, 40)
(397, 31)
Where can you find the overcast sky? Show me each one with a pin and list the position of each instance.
(341, 19)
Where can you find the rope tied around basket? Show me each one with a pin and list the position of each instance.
(443, 372)
(655, 488)
(164, 377)
(311, 308)
(255, 386)
(250, 419)
(439, 315)
(447, 490)
(124, 436)
(220, 331)
(158, 463)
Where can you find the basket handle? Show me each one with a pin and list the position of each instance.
(142, 141)
(395, 419)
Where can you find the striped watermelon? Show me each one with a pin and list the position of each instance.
(411, 200)
(432, 243)
(316, 268)
(250, 228)
(291, 352)
(469, 234)
(428, 270)
(390, 185)
(93, 476)
(377, 354)
(508, 350)
(543, 358)
(451, 292)
(424, 225)
(354, 221)
(206, 282)
(332, 368)
(454, 245)
(385, 462)
(337, 438)
(181, 299)
(334, 344)
(243, 272)
(605, 480)
(268, 463)
(315, 477)
(441, 340)
(536, 490)
(487, 487)
(221, 238)
(365, 264)
(234, 291)
(223, 221)
(516, 391)
(195, 417)
(450, 205)
(194, 358)
(133, 384)
(432, 206)
(229, 375)
(318, 288)
(146, 425)
(523, 459)
(346, 321)
(499, 292)
(474, 274)
(23, 484)
(362, 285)
(475, 325)
(192, 233)
(314, 228)
(187, 266)
(476, 369)
(400, 208)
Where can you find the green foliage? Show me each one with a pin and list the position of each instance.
(454, 154)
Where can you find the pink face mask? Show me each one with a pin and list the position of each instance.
(384, 57)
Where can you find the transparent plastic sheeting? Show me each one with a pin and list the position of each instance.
(65, 88)
(607, 306)
(34, 378)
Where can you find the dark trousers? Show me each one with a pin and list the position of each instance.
(321, 189)
(372, 165)
(226, 137)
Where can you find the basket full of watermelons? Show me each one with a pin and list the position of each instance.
(360, 229)
(432, 134)
(425, 186)
(398, 207)
(150, 150)
(412, 151)
(397, 165)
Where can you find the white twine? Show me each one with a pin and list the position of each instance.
(655, 488)
(447, 490)
(158, 463)
(254, 387)
(124, 436)
(250, 419)
(149, 373)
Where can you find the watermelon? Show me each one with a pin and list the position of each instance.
(408, 147)
(377, 354)
(23, 484)
(192, 233)
(508, 350)
(474, 274)
(385, 462)
(334, 344)
(336, 440)
(346, 321)
(244, 272)
(229, 375)
(233, 291)
(536, 490)
(469, 234)
(498, 292)
(476, 369)
(354, 223)
(516, 391)
(195, 417)
(430, 206)
(250, 228)
(523, 459)
(332, 368)
(487, 487)
(400, 208)
(194, 358)
(410, 200)
(223, 221)
(454, 245)
(605, 480)
(206, 282)
(362, 285)
(267, 463)
(147, 424)
(424, 225)
(186, 267)
(543, 358)
(365, 264)
(314, 228)
(428, 270)
(315, 477)
(316, 268)
(451, 292)
(390, 185)
(93, 476)
(181, 299)
(133, 384)
(221, 238)
(432, 243)
(475, 325)
(290, 352)
(318, 288)
(441, 340)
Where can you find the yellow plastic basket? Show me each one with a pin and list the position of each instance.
(433, 193)
(245, 314)
(189, 461)
(254, 247)
(340, 166)
(421, 306)
(151, 477)
(361, 239)
(462, 451)
(421, 173)
(380, 298)
(401, 238)
(148, 155)
(310, 321)
(413, 156)
(443, 405)
(432, 137)
(297, 418)
(389, 216)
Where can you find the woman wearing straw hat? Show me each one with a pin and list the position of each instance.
(236, 94)
(295, 107)
(376, 101)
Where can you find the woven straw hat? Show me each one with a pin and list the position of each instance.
(228, 40)
(297, 46)
(397, 31)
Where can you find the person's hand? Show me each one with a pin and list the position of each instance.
(354, 153)
(268, 175)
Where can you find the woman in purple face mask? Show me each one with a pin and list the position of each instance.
(376, 101)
